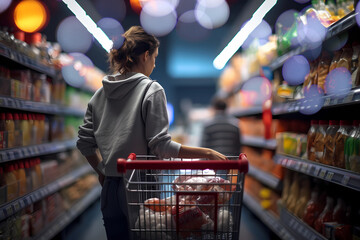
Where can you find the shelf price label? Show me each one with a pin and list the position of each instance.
(345, 180)
(322, 173)
(316, 171)
(329, 176)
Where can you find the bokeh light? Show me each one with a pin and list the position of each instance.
(336, 42)
(357, 13)
(311, 32)
(74, 72)
(338, 83)
(285, 21)
(257, 90)
(185, 6)
(158, 25)
(170, 112)
(189, 29)
(109, 8)
(295, 69)
(313, 100)
(73, 36)
(158, 8)
(312, 53)
(113, 29)
(212, 13)
(30, 16)
(136, 6)
(4, 4)
(261, 32)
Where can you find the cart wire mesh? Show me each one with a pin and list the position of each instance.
(183, 198)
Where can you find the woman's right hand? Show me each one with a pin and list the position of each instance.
(214, 155)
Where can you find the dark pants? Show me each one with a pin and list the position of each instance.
(114, 209)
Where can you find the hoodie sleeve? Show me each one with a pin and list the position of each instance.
(86, 142)
(157, 127)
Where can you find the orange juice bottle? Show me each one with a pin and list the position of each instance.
(10, 128)
(36, 128)
(17, 132)
(41, 127)
(25, 128)
(38, 170)
(34, 177)
(29, 185)
(11, 183)
(22, 179)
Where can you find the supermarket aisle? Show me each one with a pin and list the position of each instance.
(89, 226)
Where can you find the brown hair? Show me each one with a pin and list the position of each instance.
(136, 42)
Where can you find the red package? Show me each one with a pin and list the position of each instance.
(191, 218)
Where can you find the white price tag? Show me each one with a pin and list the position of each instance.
(329, 176)
(322, 173)
(316, 172)
(345, 180)
(304, 167)
(327, 101)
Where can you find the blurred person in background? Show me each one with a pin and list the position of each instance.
(128, 115)
(222, 132)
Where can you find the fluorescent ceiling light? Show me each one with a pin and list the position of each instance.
(238, 40)
(89, 24)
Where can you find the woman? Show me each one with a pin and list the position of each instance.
(128, 114)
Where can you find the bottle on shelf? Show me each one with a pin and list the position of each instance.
(37, 130)
(25, 128)
(22, 179)
(29, 183)
(339, 148)
(354, 158)
(17, 131)
(329, 142)
(34, 176)
(11, 183)
(38, 171)
(349, 143)
(10, 128)
(326, 215)
(3, 133)
(319, 142)
(310, 140)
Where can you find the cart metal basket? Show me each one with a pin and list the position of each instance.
(183, 198)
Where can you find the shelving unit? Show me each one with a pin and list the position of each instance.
(10, 208)
(259, 142)
(36, 150)
(39, 107)
(265, 178)
(268, 218)
(327, 173)
(344, 107)
(19, 60)
(338, 27)
(68, 216)
(298, 228)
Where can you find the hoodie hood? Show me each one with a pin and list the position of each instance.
(117, 86)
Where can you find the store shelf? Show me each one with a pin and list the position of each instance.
(16, 205)
(24, 60)
(330, 101)
(269, 219)
(68, 216)
(327, 173)
(340, 26)
(258, 142)
(246, 112)
(265, 178)
(298, 228)
(38, 107)
(36, 150)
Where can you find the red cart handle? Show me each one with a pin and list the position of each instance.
(241, 164)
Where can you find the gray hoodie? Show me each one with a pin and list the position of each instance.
(120, 120)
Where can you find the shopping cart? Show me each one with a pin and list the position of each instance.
(183, 198)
